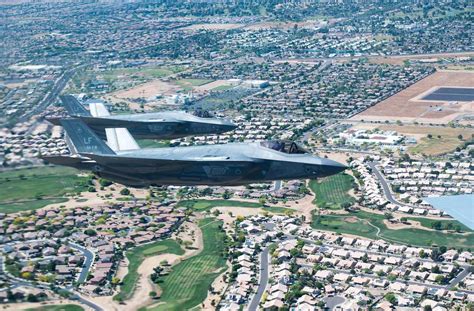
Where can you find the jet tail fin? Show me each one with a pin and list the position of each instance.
(117, 138)
(73, 106)
(84, 139)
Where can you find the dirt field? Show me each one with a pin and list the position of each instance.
(288, 25)
(148, 89)
(212, 85)
(407, 105)
(398, 60)
(212, 26)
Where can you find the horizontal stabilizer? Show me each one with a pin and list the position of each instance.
(84, 139)
(73, 106)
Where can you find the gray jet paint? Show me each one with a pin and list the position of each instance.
(229, 164)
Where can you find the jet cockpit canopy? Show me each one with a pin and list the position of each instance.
(285, 146)
(201, 113)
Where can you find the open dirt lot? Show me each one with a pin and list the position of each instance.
(148, 89)
(289, 25)
(212, 27)
(399, 59)
(444, 139)
(407, 105)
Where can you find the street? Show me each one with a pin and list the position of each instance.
(263, 280)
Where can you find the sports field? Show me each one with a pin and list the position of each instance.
(189, 84)
(67, 307)
(206, 205)
(29, 189)
(136, 256)
(371, 226)
(332, 191)
(187, 284)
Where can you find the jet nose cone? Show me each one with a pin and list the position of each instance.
(333, 167)
(228, 125)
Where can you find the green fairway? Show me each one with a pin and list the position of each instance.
(67, 307)
(452, 224)
(332, 191)
(153, 143)
(136, 256)
(187, 284)
(29, 189)
(206, 205)
(358, 224)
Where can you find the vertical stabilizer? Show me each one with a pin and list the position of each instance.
(118, 139)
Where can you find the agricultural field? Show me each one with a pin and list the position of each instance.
(66, 307)
(206, 205)
(29, 189)
(136, 256)
(187, 284)
(370, 225)
(333, 191)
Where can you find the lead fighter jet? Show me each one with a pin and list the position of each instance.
(229, 164)
(154, 125)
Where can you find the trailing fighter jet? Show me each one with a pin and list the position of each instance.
(229, 164)
(154, 125)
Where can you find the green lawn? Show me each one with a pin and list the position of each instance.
(146, 73)
(153, 143)
(427, 222)
(412, 236)
(187, 284)
(223, 87)
(332, 191)
(206, 205)
(28, 189)
(67, 307)
(136, 256)
(189, 84)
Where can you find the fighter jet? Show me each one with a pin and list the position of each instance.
(155, 125)
(226, 165)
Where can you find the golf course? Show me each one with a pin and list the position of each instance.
(371, 225)
(29, 189)
(331, 192)
(187, 284)
(206, 205)
(136, 256)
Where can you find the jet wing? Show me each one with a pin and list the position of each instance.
(460, 207)
(71, 161)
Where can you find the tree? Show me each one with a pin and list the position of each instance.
(32, 298)
(90, 232)
(437, 225)
(460, 137)
(152, 294)
(388, 215)
(115, 281)
(430, 136)
(390, 297)
(125, 191)
(439, 279)
(262, 200)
